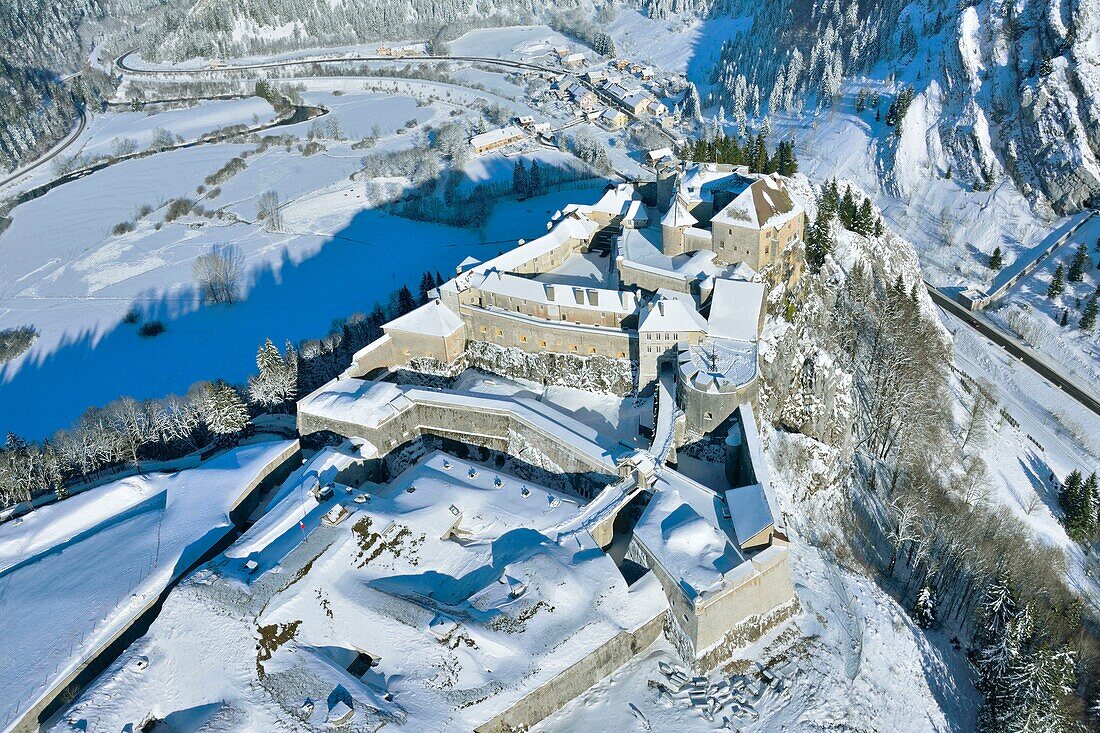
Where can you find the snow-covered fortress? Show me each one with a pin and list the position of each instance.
(618, 297)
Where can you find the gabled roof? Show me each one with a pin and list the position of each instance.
(764, 203)
(749, 511)
(671, 314)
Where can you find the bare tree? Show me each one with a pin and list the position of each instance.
(219, 273)
(267, 209)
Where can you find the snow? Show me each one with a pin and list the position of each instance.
(89, 565)
(735, 309)
(681, 530)
(513, 607)
(431, 319)
(671, 314)
(749, 511)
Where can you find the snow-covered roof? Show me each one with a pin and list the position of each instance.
(680, 528)
(717, 365)
(430, 319)
(701, 180)
(636, 214)
(569, 296)
(735, 309)
(671, 314)
(678, 215)
(492, 137)
(749, 511)
(659, 154)
(765, 202)
(573, 226)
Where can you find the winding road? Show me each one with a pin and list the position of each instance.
(122, 65)
(53, 153)
(1030, 357)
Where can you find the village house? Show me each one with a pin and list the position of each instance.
(496, 139)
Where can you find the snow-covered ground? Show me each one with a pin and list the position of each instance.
(851, 660)
(73, 279)
(75, 573)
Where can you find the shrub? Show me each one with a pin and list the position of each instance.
(122, 227)
(14, 341)
(151, 329)
(177, 208)
(132, 316)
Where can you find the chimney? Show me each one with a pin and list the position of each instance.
(661, 306)
(549, 292)
(578, 295)
(593, 297)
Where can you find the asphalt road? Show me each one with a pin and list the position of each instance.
(121, 63)
(52, 154)
(1025, 354)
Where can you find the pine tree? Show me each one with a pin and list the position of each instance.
(534, 179)
(223, 410)
(864, 221)
(924, 610)
(1088, 318)
(996, 260)
(520, 182)
(405, 301)
(1057, 283)
(427, 284)
(438, 279)
(1077, 504)
(847, 209)
(861, 100)
(277, 381)
(1078, 265)
(1065, 317)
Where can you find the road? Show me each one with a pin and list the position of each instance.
(57, 150)
(121, 63)
(1025, 354)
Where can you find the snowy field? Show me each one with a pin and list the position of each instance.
(74, 279)
(91, 563)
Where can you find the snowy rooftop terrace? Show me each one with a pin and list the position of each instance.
(717, 364)
(370, 404)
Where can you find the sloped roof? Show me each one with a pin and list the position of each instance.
(764, 203)
(678, 215)
(431, 319)
(671, 314)
(749, 511)
(735, 309)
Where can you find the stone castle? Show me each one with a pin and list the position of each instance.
(665, 300)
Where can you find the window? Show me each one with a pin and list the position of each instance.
(483, 329)
(592, 350)
(708, 416)
(523, 339)
(622, 354)
(500, 332)
(542, 343)
(573, 347)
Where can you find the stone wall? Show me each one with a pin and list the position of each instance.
(697, 405)
(763, 586)
(632, 274)
(760, 591)
(596, 373)
(579, 677)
